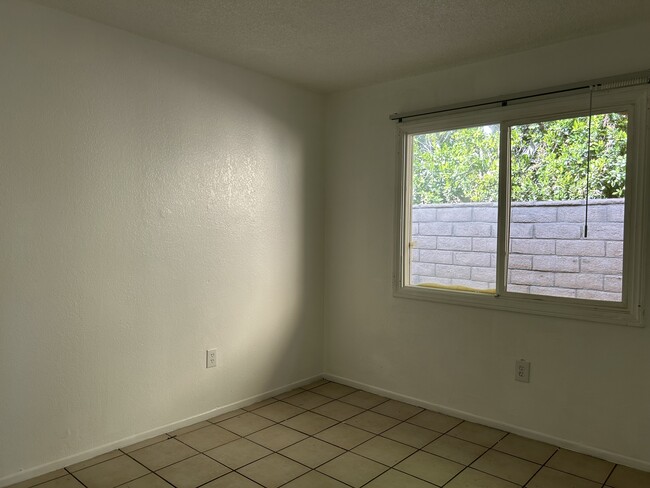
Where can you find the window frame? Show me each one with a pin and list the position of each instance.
(630, 311)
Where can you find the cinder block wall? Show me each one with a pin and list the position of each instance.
(455, 244)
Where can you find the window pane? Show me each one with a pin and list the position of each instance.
(455, 192)
(549, 251)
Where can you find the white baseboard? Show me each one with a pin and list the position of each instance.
(127, 441)
(531, 434)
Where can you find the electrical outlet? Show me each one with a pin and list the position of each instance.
(211, 358)
(522, 371)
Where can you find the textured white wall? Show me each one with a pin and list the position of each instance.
(589, 382)
(153, 203)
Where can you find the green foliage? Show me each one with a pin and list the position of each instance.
(548, 161)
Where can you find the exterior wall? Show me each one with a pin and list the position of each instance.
(455, 244)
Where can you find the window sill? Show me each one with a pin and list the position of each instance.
(616, 314)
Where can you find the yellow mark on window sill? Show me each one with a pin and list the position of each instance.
(487, 291)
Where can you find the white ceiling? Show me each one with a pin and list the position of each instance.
(328, 45)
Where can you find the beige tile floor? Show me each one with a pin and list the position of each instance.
(327, 435)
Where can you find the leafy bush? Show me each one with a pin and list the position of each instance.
(548, 161)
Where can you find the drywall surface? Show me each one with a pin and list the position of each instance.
(589, 382)
(153, 204)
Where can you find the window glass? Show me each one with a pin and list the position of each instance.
(566, 214)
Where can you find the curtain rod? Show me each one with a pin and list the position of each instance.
(621, 81)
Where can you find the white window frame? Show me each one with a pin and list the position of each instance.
(630, 311)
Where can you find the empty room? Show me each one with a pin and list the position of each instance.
(324, 243)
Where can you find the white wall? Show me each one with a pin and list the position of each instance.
(153, 203)
(589, 382)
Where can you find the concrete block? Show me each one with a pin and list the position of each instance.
(435, 228)
(616, 213)
(533, 214)
(532, 246)
(472, 258)
(612, 266)
(455, 243)
(484, 244)
(552, 291)
(425, 242)
(425, 269)
(564, 264)
(451, 271)
(426, 214)
(415, 229)
(518, 288)
(613, 284)
(597, 213)
(614, 249)
(519, 261)
(473, 229)
(539, 278)
(521, 231)
(584, 281)
(558, 231)
(484, 214)
(415, 255)
(487, 275)
(611, 231)
(442, 257)
(580, 248)
(599, 295)
(455, 214)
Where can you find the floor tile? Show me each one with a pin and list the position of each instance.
(314, 479)
(470, 478)
(372, 422)
(624, 477)
(273, 471)
(352, 469)
(111, 473)
(363, 399)
(260, 404)
(308, 400)
(411, 435)
(189, 428)
(232, 480)
(226, 416)
(535, 451)
(344, 436)
(207, 437)
(312, 452)
(279, 411)
(40, 479)
(162, 454)
(571, 462)
(148, 481)
(338, 410)
(96, 460)
(458, 450)
(245, 424)
(309, 423)
(396, 479)
(384, 451)
(505, 466)
(431, 468)
(398, 410)
(66, 481)
(550, 478)
(238, 453)
(314, 384)
(145, 443)
(276, 437)
(193, 472)
(333, 390)
(434, 421)
(476, 433)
